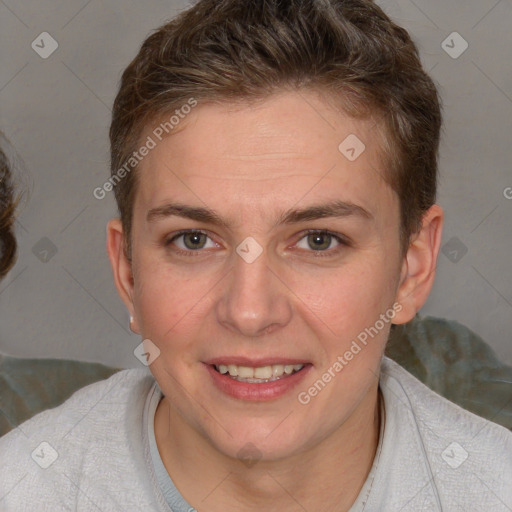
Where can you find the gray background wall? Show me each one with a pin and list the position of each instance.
(60, 301)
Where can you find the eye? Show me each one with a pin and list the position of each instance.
(192, 241)
(321, 241)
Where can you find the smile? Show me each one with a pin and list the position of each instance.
(260, 374)
(256, 379)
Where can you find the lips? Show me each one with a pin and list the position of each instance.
(256, 380)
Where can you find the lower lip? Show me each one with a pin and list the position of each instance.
(257, 392)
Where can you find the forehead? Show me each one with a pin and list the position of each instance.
(289, 147)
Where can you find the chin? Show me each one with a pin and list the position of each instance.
(258, 440)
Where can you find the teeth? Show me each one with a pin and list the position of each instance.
(277, 370)
(245, 372)
(262, 373)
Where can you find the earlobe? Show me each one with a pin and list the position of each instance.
(133, 325)
(419, 265)
(121, 268)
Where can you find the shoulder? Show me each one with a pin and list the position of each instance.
(59, 452)
(102, 399)
(469, 458)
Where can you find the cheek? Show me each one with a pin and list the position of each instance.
(160, 298)
(171, 305)
(350, 298)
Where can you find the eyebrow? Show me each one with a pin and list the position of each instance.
(334, 209)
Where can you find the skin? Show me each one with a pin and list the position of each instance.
(250, 163)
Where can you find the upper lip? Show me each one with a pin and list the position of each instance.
(254, 362)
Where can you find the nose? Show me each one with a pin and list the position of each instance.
(254, 301)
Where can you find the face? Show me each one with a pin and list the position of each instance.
(258, 244)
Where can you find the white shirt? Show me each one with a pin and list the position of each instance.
(94, 452)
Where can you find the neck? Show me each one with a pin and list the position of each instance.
(332, 472)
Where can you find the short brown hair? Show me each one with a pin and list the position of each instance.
(7, 210)
(225, 50)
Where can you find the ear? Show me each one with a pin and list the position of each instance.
(419, 266)
(121, 268)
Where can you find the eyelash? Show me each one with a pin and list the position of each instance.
(317, 254)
